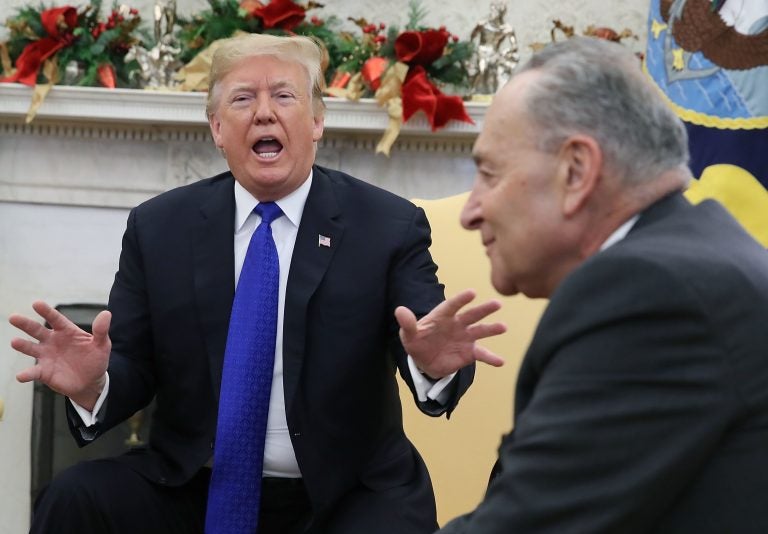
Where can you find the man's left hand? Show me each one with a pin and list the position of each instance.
(443, 341)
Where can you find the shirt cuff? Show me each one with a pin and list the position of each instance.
(428, 389)
(89, 418)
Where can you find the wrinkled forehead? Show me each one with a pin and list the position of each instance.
(256, 70)
(508, 124)
(268, 66)
(509, 109)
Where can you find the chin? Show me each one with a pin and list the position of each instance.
(504, 286)
(268, 178)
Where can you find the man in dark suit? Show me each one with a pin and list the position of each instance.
(336, 459)
(642, 401)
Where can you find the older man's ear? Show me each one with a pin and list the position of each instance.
(581, 170)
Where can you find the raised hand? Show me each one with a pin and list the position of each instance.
(69, 360)
(443, 341)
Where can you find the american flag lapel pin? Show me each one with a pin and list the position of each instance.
(323, 241)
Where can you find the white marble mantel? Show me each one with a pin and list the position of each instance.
(186, 108)
(116, 148)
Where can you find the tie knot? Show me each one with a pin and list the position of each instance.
(269, 211)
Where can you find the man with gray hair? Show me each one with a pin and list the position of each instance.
(642, 401)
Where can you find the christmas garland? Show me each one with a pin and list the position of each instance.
(406, 71)
(61, 35)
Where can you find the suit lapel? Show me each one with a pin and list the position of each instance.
(214, 272)
(309, 264)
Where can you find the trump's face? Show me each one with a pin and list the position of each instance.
(515, 201)
(265, 125)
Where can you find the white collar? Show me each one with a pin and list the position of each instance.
(620, 232)
(292, 204)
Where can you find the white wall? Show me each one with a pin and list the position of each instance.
(71, 238)
(44, 248)
(532, 19)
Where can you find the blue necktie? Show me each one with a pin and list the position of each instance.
(238, 458)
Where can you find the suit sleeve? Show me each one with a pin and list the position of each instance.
(130, 369)
(414, 284)
(622, 397)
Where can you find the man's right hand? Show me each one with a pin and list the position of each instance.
(70, 361)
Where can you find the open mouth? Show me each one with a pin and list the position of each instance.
(267, 147)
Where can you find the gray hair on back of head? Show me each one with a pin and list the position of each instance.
(594, 87)
(302, 50)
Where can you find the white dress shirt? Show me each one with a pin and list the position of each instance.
(620, 232)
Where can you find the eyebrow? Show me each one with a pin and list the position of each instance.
(283, 84)
(280, 84)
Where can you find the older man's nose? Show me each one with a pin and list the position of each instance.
(470, 214)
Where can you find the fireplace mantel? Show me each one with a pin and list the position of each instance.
(132, 107)
(116, 148)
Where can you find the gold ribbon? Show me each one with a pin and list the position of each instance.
(395, 112)
(51, 73)
(5, 60)
(194, 75)
(353, 90)
(389, 95)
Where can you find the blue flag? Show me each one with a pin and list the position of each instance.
(710, 59)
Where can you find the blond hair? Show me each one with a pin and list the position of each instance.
(302, 50)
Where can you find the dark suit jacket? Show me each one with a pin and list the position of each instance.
(642, 402)
(171, 302)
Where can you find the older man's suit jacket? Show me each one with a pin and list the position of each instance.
(642, 402)
(171, 302)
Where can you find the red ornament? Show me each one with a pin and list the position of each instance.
(372, 71)
(340, 79)
(106, 74)
(98, 30)
(250, 6)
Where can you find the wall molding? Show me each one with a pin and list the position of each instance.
(115, 148)
(196, 134)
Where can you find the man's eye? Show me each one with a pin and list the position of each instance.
(486, 177)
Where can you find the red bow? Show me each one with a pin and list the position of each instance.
(54, 20)
(420, 48)
(421, 94)
(283, 14)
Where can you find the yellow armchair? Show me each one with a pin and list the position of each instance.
(461, 452)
